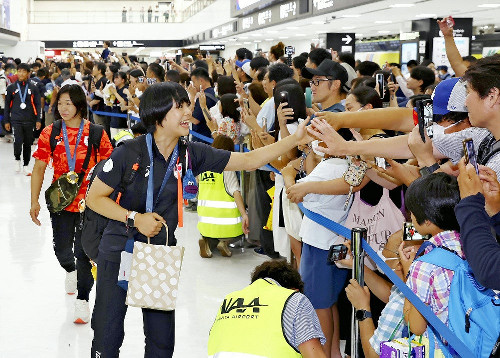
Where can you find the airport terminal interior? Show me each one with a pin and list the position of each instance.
(249, 178)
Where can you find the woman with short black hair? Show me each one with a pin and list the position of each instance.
(164, 109)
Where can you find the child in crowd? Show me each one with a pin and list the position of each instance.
(229, 109)
(431, 201)
(221, 211)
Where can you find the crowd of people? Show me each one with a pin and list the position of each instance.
(321, 130)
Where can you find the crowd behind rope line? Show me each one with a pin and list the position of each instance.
(259, 100)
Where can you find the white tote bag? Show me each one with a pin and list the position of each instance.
(154, 277)
(381, 221)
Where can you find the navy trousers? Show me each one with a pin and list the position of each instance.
(68, 234)
(109, 315)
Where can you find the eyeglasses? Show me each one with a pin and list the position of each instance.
(317, 81)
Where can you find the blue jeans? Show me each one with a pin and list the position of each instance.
(109, 315)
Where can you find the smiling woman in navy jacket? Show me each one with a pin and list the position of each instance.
(164, 109)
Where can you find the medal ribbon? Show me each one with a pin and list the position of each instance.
(149, 193)
(71, 158)
(23, 97)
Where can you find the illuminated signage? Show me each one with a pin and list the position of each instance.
(264, 17)
(247, 23)
(223, 30)
(212, 47)
(320, 5)
(288, 9)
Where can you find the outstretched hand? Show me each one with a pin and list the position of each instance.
(322, 130)
(301, 134)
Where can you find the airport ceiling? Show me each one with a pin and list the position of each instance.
(382, 18)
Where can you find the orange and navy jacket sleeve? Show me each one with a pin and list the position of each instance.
(43, 150)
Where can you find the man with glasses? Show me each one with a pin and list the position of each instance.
(328, 85)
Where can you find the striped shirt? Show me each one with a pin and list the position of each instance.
(300, 322)
(431, 283)
(450, 145)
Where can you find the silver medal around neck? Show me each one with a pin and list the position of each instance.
(23, 105)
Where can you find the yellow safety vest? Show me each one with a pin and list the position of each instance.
(249, 324)
(218, 215)
(122, 136)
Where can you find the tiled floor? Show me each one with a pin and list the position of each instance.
(36, 314)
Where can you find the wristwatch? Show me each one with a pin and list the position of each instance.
(131, 219)
(429, 170)
(363, 314)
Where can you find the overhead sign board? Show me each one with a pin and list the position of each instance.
(271, 16)
(114, 43)
(245, 7)
(212, 47)
(341, 41)
(224, 30)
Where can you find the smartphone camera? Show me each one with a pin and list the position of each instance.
(284, 98)
(450, 22)
(428, 117)
(337, 252)
(381, 163)
(381, 84)
(470, 153)
(425, 118)
(124, 54)
(411, 234)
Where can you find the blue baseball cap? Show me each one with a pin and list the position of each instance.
(241, 63)
(449, 96)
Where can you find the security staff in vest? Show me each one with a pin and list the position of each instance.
(221, 210)
(22, 112)
(150, 202)
(270, 318)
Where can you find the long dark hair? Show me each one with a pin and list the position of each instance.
(230, 107)
(77, 97)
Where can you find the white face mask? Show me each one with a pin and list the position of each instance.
(438, 129)
(385, 259)
(315, 145)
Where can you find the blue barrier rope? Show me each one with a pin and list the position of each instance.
(112, 114)
(430, 316)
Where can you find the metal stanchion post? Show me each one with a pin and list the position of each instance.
(241, 243)
(358, 255)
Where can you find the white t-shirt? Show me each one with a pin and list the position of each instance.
(330, 206)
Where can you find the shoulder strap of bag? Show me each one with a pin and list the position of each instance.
(95, 136)
(486, 144)
(444, 258)
(129, 176)
(184, 155)
(56, 130)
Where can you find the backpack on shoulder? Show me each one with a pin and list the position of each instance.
(473, 310)
(64, 190)
(94, 224)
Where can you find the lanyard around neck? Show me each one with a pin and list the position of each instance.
(71, 158)
(149, 194)
(23, 96)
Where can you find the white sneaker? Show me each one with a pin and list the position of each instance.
(19, 166)
(82, 312)
(70, 283)
(26, 171)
